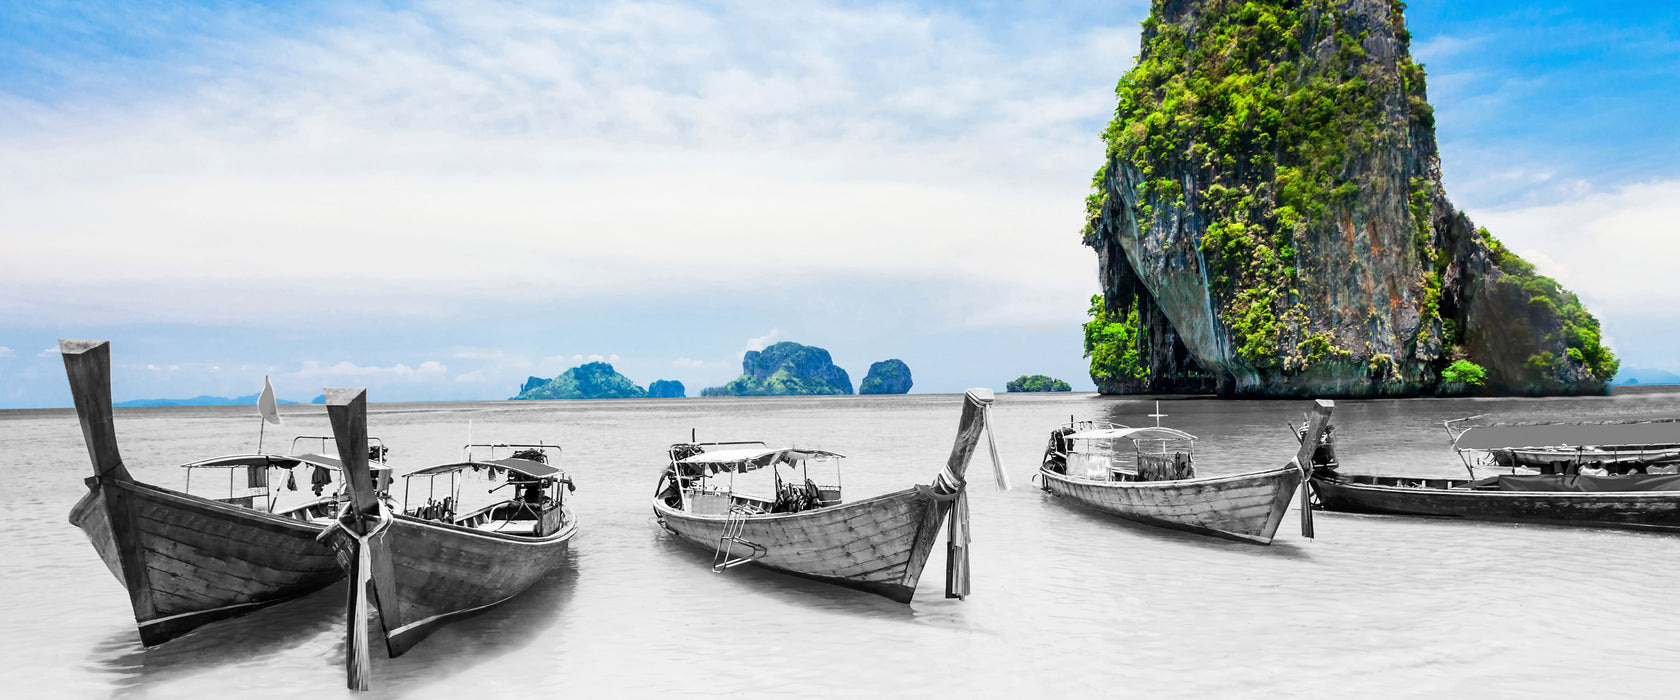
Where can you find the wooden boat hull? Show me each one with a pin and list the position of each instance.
(439, 572)
(188, 561)
(1633, 510)
(1245, 507)
(879, 545)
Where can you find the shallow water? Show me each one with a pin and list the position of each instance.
(1065, 601)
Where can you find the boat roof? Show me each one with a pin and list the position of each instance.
(754, 457)
(1146, 433)
(1490, 437)
(530, 468)
(281, 461)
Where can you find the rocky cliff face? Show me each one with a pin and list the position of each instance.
(595, 380)
(887, 377)
(1270, 221)
(786, 369)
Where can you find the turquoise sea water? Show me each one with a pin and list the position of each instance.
(1065, 601)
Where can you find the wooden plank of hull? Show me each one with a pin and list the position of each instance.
(1244, 507)
(1633, 510)
(200, 560)
(879, 545)
(439, 572)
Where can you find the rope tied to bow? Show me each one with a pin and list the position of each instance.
(356, 656)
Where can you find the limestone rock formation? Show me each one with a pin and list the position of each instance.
(886, 377)
(595, 380)
(1270, 221)
(666, 389)
(1037, 382)
(786, 369)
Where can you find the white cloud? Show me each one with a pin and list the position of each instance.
(759, 343)
(6, 352)
(1620, 246)
(49, 352)
(312, 369)
(478, 129)
(1443, 46)
(686, 363)
(473, 376)
(1616, 250)
(497, 359)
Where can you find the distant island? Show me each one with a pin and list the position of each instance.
(786, 369)
(666, 389)
(887, 377)
(595, 380)
(1637, 376)
(196, 401)
(1037, 382)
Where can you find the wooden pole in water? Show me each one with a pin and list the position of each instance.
(1303, 459)
(950, 481)
(347, 409)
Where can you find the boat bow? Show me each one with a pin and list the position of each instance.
(950, 486)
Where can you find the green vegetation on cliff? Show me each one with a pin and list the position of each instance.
(786, 369)
(1464, 372)
(1281, 154)
(1272, 128)
(1037, 382)
(1557, 310)
(1113, 342)
(595, 380)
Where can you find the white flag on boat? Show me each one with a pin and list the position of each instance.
(266, 405)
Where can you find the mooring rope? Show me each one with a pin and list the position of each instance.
(997, 465)
(357, 653)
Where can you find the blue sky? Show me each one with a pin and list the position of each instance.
(437, 200)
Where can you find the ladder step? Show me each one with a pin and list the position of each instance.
(723, 557)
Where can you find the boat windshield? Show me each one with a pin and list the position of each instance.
(1590, 449)
(518, 493)
(718, 477)
(299, 484)
(1144, 454)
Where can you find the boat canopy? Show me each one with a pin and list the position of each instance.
(526, 467)
(1495, 437)
(1147, 433)
(750, 458)
(276, 461)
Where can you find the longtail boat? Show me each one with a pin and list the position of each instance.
(432, 562)
(1148, 475)
(188, 560)
(878, 545)
(1622, 475)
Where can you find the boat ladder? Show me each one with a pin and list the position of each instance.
(723, 558)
